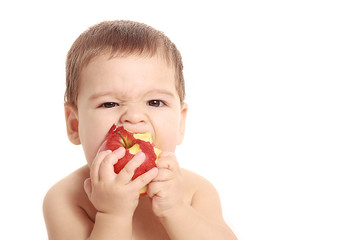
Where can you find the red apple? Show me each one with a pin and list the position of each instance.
(133, 143)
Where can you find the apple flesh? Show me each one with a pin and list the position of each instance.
(133, 143)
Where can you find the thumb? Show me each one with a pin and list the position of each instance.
(88, 187)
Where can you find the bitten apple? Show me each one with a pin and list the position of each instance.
(133, 143)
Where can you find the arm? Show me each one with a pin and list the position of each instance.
(66, 221)
(114, 196)
(63, 219)
(200, 220)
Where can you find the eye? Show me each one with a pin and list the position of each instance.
(155, 103)
(109, 105)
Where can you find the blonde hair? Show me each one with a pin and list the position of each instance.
(119, 38)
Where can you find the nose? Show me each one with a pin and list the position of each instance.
(133, 114)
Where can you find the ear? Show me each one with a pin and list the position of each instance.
(184, 109)
(72, 123)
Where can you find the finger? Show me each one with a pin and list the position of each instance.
(155, 189)
(144, 179)
(106, 169)
(164, 175)
(126, 174)
(168, 160)
(94, 169)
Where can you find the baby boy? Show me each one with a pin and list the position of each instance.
(129, 74)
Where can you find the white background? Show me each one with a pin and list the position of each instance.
(273, 89)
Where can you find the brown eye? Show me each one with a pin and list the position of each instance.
(155, 103)
(109, 105)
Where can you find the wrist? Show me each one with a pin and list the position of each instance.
(175, 213)
(118, 218)
(111, 226)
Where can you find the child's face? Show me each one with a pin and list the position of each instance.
(136, 92)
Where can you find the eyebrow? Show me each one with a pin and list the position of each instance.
(112, 93)
(161, 91)
(100, 94)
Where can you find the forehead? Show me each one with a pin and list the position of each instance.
(130, 74)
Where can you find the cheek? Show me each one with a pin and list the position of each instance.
(91, 137)
(166, 137)
(90, 142)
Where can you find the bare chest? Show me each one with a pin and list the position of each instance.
(146, 226)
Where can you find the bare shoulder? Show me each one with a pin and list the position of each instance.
(196, 183)
(204, 196)
(65, 206)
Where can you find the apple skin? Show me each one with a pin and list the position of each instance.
(118, 136)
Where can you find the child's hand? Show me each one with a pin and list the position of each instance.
(166, 188)
(113, 193)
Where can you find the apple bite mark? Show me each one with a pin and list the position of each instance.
(133, 143)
